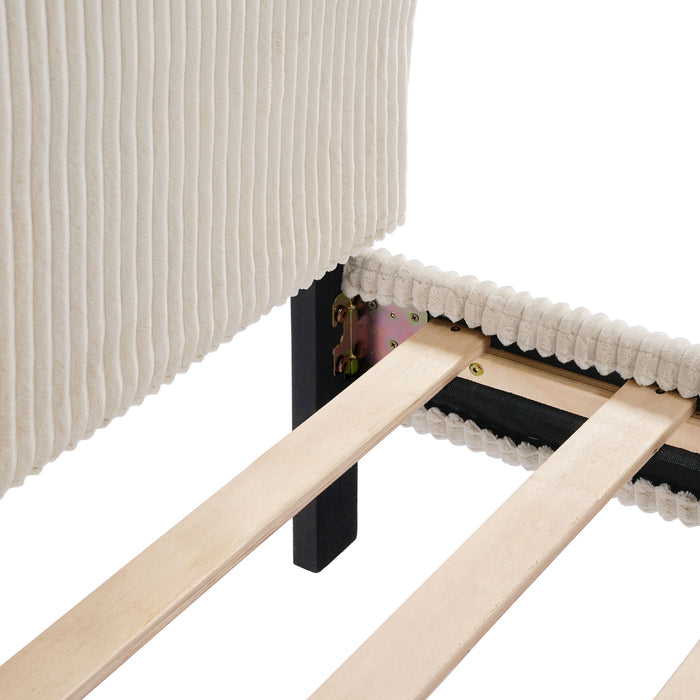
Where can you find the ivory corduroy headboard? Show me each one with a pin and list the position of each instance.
(168, 173)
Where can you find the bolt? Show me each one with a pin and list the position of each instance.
(393, 344)
(341, 314)
(476, 369)
(353, 366)
(414, 318)
(456, 328)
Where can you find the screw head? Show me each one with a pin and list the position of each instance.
(372, 305)
(476, 369)
(393, 315)
(456, 328)
(393, 344)
(414, 318)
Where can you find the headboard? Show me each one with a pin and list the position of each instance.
(168, 174)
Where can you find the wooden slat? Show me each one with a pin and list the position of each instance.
(418, 646)
(78, 651)
(684, 684)
(561, 389)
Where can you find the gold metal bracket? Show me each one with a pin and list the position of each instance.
(370, 332)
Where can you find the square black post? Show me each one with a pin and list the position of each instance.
(328, 524)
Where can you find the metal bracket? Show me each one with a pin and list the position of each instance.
(370, 332)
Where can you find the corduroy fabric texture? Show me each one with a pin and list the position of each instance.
(683, 505)
(168, 173)
(589, 340)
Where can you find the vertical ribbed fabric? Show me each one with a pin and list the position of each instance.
(168, 173)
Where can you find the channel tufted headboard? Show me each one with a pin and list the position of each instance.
(169, 172)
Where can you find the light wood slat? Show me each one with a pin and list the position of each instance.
(561, 389)
(78, 651)
(418, 646)
(684, 684)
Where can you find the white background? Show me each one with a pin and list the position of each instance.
(554, 146)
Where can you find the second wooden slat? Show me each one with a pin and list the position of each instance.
(684, 684)
(420, 644)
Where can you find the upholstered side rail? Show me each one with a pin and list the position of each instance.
(168, 173)
(589, 340)
(552, 330)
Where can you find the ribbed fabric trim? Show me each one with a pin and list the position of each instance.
(590, 340)
(169, 172)
(660, 499)
(642, 493)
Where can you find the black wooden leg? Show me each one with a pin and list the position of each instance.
(328, 524)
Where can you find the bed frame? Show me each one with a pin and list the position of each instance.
(311, 475)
